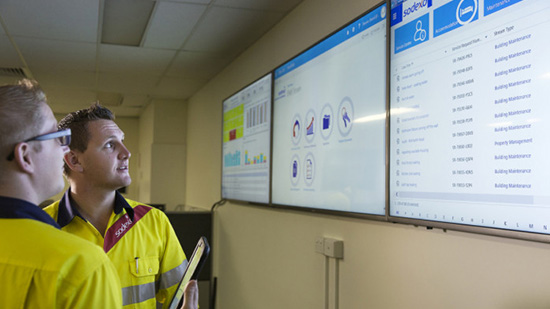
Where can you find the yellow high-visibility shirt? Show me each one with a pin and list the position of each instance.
(44, 267)
(141, 243)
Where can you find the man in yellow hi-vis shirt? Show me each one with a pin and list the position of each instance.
(138, 239)
(40, 265)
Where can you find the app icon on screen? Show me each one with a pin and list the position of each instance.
(345, 116)
(327, 121)
(296, 129)
(309, 169)
(294, 170)
(310, 129)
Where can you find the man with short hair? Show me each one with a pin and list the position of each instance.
(40, 265)
(138, 239)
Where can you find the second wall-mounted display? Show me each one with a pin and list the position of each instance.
(329, 121)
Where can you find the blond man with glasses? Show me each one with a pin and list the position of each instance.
(40, 265)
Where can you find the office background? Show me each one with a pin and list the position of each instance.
(265, 258)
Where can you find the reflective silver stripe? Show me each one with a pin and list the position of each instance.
(173, 276)
(159, 305)
(138, 293)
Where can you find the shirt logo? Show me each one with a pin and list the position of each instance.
(122, 226)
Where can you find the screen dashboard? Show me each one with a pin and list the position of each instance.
(329, 119)
(468, 114)
(247, 142)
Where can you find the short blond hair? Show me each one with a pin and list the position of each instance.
(20, 113)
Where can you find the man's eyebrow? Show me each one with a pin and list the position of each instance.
(110, 138)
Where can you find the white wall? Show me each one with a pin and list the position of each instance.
(265, 258)
(162, 153)
(146, 136)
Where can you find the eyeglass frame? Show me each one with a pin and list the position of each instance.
(62, 135)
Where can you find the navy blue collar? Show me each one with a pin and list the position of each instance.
(12, 208)
(68, 210)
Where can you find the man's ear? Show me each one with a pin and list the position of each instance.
(23, 158)
(71, 159)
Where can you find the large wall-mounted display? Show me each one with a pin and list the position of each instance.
(247, 142)
(469, 113)
(329, 121)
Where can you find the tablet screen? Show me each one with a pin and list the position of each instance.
(192, 271)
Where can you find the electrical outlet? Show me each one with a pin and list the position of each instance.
(334, 248)
(320, 245)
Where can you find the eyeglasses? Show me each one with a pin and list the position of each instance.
(63, 136)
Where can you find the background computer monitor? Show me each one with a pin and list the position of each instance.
(246, 143)
(329, 121)
(469, 88)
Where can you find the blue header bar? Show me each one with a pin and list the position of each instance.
(404, 8)
(492, 6)
(350, 31)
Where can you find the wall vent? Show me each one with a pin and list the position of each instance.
(13, 72)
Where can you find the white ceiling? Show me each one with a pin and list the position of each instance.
(185, 44)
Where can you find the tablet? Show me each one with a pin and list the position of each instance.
(194, 266)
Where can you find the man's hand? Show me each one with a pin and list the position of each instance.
(191, 295)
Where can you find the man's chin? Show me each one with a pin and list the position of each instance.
(124, 184)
